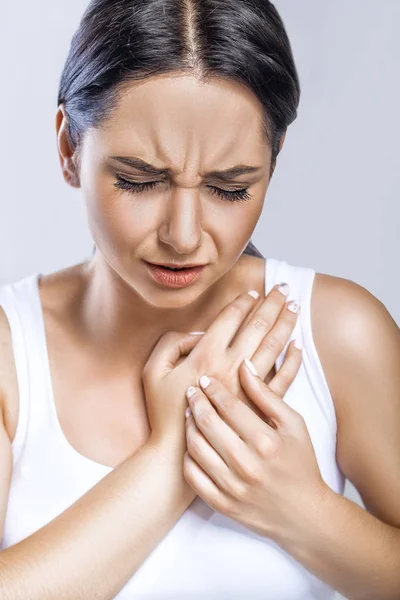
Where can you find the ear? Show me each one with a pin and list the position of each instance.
(68, 158)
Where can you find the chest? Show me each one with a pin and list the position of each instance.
(101, 415)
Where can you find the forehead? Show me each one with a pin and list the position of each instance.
(178, 114)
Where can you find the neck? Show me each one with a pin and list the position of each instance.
(119, 323)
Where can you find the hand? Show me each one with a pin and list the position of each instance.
(260, 335)
(265, 477)
(242, 329)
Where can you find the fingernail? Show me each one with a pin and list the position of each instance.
(188, 412)
(284, 289)
(251, 367)
(204, 381)
(299, 343)
(293, 306)
(196, 332)
(190, 391)
(254, 294)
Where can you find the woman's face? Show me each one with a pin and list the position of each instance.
(186, 215)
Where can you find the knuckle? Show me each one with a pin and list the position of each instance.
(236, 311)
(238, 490)
(261, 323)
(250, 473)
(286, 377)
(233, 510)
(204, 418)
(171, 336)
(192, 444)
(263, 445)
(223, 400)
(299, 419)
(200, 361)
(219, 504)
(271, 343)
(187, 471)
(268, 445)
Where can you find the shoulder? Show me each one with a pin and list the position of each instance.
(358, 343)
(249, 271)
(351, 326)
(58, 291)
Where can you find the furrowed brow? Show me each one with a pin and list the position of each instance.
(145, 167)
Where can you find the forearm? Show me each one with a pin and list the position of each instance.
(97, 544)
(348, 548)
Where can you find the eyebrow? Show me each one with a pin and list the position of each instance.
(145, 167)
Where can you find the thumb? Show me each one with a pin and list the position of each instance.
(170, 348)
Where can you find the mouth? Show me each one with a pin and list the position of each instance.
(175, 277)
(172, 267)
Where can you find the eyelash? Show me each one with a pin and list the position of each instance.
(234, 196)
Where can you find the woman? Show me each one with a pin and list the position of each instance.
(171, 116)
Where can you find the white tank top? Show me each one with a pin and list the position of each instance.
(205, 556)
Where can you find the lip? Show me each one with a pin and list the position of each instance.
(172, 279)
(174, 266)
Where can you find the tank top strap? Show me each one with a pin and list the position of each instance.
(11, 295)
(21, 304)
(301, 282)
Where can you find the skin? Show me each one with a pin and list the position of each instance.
(193, 128)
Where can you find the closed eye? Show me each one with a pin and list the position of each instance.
(232, 196)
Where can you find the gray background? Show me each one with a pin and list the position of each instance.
(333, 201)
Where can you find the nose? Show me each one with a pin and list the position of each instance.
(181, 228)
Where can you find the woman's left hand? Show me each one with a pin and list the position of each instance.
(263, 476)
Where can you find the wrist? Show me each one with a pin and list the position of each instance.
(309, 520)
(170, 452)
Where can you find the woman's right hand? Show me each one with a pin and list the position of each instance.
(245, 328)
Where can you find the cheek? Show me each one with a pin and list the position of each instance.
(117, 217)
(240, 221)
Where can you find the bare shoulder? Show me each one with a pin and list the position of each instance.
(358, 343)
(58, 291)
(349, 318)
(351, 326)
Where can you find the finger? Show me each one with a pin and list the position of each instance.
(275, 340)
(203, 485)
(222, 438)
(239, 416)
(288, 371)
(280, 413)
(260, 322)
(205, 455)
(168, 350)
(220, 333)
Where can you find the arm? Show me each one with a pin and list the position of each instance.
(357, 551)
(97, 544)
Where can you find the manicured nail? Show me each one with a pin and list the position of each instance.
(188, 412)
(190, 391)
(251, 367)
(204, 381)
(196, 332)
(293, 306)
(298, 344)
(284, 289)
(254, 294)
